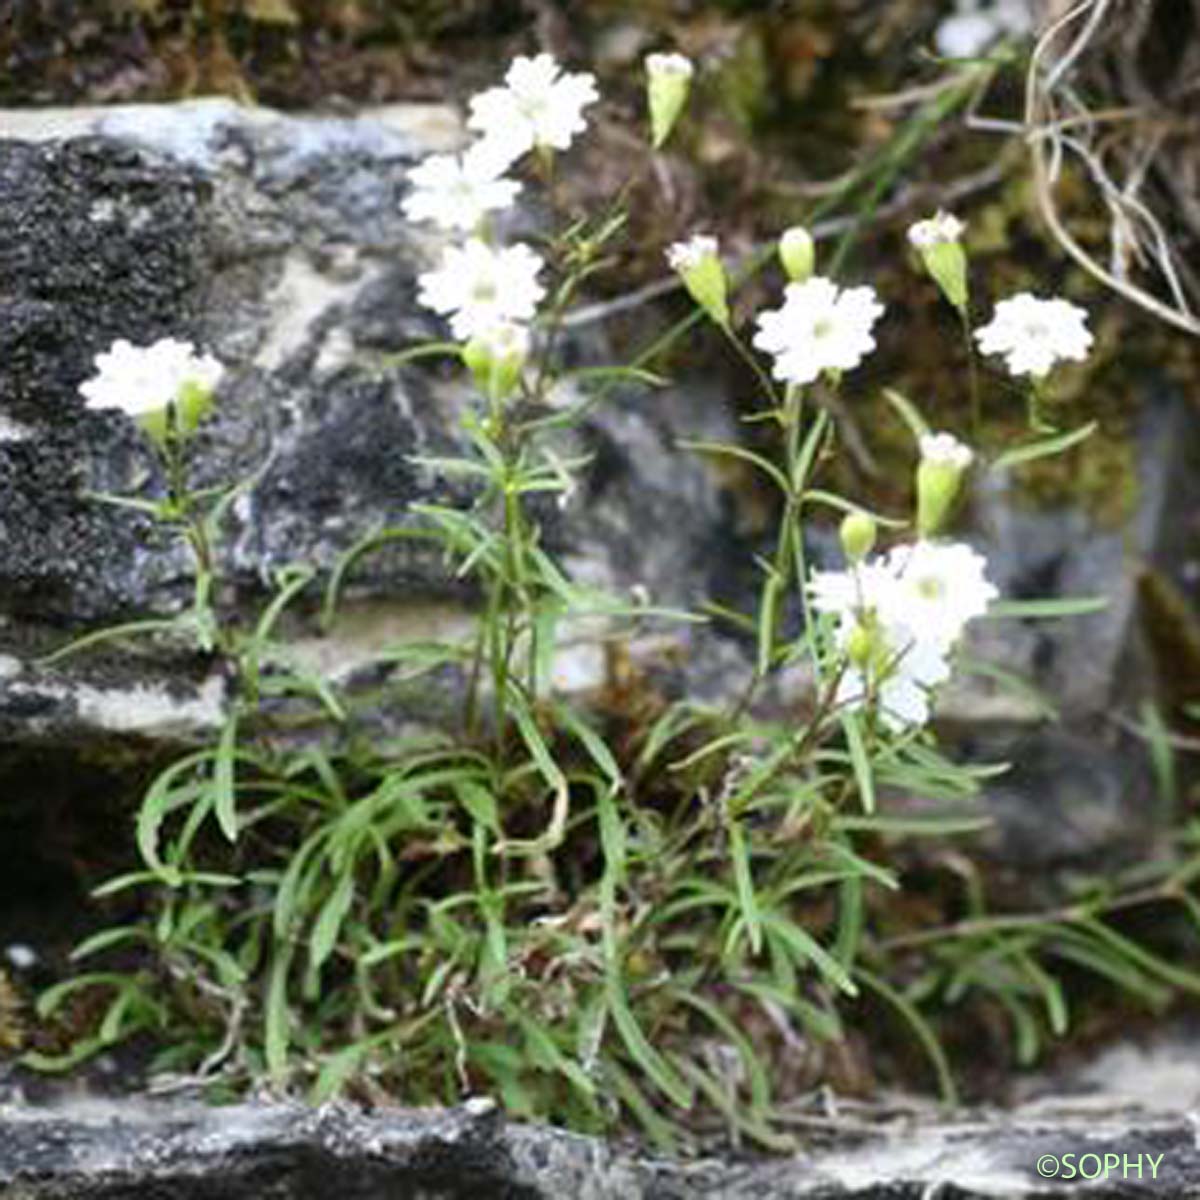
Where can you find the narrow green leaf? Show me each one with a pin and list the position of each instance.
(1065, 606)
(642, 1052)
(860, 760)
(923, 1030)
(112, 633)
(105, 939)
(424, 350)
(1043, 447)
(743, 876)
(224, 794)
(817, 496)
(277, 1021)
(908, 412)
(804, 947)
(329, 922)
(722, 450)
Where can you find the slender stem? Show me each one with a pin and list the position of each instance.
(764, 380)
(972, 376)
(775, 586)
(1168, 889)
(195, 532)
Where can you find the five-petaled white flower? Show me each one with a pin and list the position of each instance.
(938, 587)
(1034, 334)
(819, 328)
(934, 231)
(479, 287)
(540, 105)
(456, 191)
(145, 379)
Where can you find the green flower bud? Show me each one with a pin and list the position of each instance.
(797, 253)
(863, 646)
(858, 535)
(496, 359)
(944, 462)
(668, 81)
(700, 267)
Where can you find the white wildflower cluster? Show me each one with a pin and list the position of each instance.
(142, 380)
(489, 293)
(899, 616)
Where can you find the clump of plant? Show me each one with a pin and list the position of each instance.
(593, 929)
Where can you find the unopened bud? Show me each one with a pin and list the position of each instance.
(699, 266)
(860, 646)
(937, 240)
(797, 253)
(668, 81)
(944, 462)
(857, 533)
(497, 357)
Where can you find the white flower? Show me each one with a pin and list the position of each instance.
(479, 287)
(897, 670)
(819, 328)
(901, 699)
(847, 593)
(683, 256)
(144, 379)
(938, 587)
(898, 618)
(970, 30)
(934, 231)
(945, 449)
(1034, 334)
(455, 191)
(675, 65)
(540, 105)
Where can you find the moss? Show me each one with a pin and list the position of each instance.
(742, 81)
(12, 1023)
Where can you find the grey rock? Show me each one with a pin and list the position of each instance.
(291, 1153)
(278, 243)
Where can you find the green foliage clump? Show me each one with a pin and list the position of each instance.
(599, 917)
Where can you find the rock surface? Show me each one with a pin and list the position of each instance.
(289, 1153)
(278, 243)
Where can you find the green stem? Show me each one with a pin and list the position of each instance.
(760, 373)
(195, 531)
(972, 376)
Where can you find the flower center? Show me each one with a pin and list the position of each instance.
(931, 588)
(484, 292)
(822, 328)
